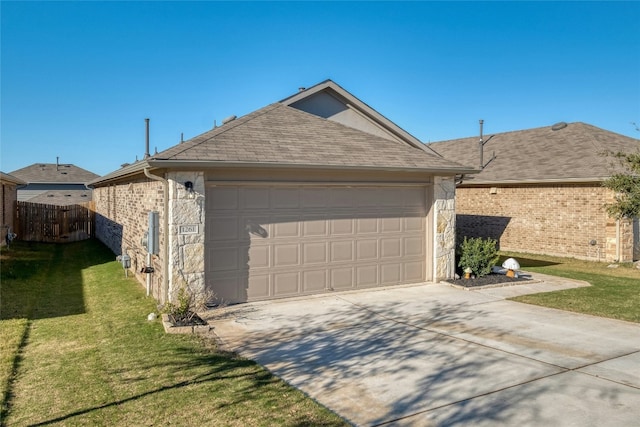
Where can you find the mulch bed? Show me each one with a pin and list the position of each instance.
(490, 279)
(190, 319)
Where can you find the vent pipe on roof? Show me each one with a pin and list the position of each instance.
(146, 146)
(57, 162)
(481, 145)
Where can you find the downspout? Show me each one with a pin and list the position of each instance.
(618, 251)
(165, 226)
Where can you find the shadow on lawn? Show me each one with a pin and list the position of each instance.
(44, 280)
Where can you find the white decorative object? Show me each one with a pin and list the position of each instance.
(151, 317)
(512, 267)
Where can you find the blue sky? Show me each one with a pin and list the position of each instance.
(79, 78)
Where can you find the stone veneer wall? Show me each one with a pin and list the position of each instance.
(186, 233)
(445, 227)
(7, 210)
(560, 220)
(122, 218)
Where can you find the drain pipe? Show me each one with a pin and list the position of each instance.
(618, 238)
(165, 226)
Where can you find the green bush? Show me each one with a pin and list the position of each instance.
(479, 255)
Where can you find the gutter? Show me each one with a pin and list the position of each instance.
(165, 224)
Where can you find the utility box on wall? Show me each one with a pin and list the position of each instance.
(153, 241)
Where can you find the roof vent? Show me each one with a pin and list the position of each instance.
(559, 125)
(228, 119)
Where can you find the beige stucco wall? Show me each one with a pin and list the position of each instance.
(560, 220)
(7, 209)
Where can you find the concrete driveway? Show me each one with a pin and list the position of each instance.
(434, 355)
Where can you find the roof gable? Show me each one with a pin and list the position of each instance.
(332, 102)
(54, 173)
(574, 152)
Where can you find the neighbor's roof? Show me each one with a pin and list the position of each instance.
(54, 173)
(572, 153)
(5, 177)
(282, 136)
(62, 197)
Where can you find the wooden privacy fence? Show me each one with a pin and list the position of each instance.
(37, 222)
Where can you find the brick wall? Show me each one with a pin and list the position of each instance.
(7, 210)
(561, 220)
(122, 219)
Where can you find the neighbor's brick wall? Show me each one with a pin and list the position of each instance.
(7, 210)
(122, 218)
(561, 220)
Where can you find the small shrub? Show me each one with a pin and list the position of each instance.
(479, 255)
(188, 303)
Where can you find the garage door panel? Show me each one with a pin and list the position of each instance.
(286, 255)
(224, 228)
(341, 198)
(254, 198)
(314, 227)
(286, 284)
(286, 227)
(413, 271)
(390, 274)
(276, 241)
(314, 198)
(413, 246)
(285, 198)
(314, 281)
(342, 226)
(259, 256)
(223, 199)
(391, 225)
(341, 251)
(342, 278)
(390, 248)
(414, 223)
(367, 276)
(315, 253)
(367, 250)
(258, 286)
(367, 225)
(226, 258)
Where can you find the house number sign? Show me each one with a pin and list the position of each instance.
(188, 229)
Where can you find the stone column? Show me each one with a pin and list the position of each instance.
(186, 232)
(445, 227)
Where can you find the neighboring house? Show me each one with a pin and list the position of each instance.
(540, 191)
(54, 184)
(315, 193)
(9, 196)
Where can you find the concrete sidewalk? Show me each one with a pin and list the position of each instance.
(431, 354)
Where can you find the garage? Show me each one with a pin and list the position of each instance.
(281, 240)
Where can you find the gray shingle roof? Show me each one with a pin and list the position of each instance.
(283, 135)
(54, 173)
(573, 153)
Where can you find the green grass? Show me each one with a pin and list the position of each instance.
(615, 292)
(76, 349)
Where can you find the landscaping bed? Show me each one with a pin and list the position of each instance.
(492, 279)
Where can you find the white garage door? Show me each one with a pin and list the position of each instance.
(268, 242)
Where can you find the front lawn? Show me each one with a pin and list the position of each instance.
(76, 349)
(615, 292)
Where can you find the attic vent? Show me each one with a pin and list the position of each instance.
(228, 119)
(558, 126)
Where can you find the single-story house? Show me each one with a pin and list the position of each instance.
(315, 193)
(54, 184)
(8, 186)
(540, 191)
